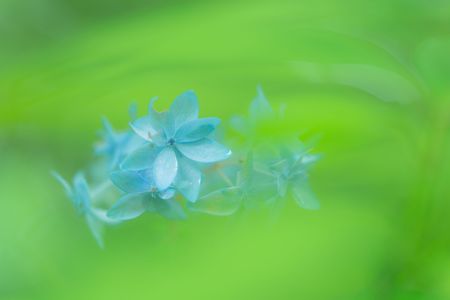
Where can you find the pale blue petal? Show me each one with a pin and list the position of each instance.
(288, 155)
(108, 129)
(169, 208)
(133, 111)
(311, 159)
(140, 159)
(223, 202)
(165, 168)
(264, 186)
(167, 194)
(240, 125)
(188, 179)
(144, 127)
(114, 159)
(102, 215)
(64, 183)
(260, 108)
(183, 109)
(158, 121)
(133, 143)
(303, 164)
(196, 129)
(246, 175)
(304, 195)
(282, 185)
(281, 166)
(96, 227)
(205, 151)
(131, 181)
(150, 128)
(129, 206)
(81, 188)
(113, 144)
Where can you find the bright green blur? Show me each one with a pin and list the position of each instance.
(371, 77)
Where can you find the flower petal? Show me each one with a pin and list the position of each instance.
(64, 183)
(167, 194)
(183, 109)
(196, 129)
(188, 179)
(108, 130)
(133, 111)
(132, 143)
(96, 227)
(131, 181)
(140, 159)
(205, 151)
(165, 168)
(101, 215)
(145, 127)
(260, 109)
(240, 125)
(82, 197)
(169, 208)
(282, 186)
(223, 202)
(129, 206)
(304, 195)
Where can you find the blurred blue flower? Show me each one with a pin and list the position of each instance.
(228, 188)
(115, 146)
(177, 141)
(141, 195)
(289, 173)
(275, 169)
(81, 197)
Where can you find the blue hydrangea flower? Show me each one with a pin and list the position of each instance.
(277, 170)
(230, 187)
(166, 153)
(288, 172)
(81, 197)
(115, 146)
(177, 142)
(141, 195)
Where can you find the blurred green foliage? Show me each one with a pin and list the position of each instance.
(372, 77)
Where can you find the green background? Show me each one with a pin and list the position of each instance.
(371, 77)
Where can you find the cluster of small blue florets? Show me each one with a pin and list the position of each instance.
(169, 162)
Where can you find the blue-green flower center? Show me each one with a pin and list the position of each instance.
(171, 142)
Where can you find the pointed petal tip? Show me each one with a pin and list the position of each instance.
(62, 181)
(151, 103)
(54, 174)
(133, 111)
(259, 88)
(190, 91)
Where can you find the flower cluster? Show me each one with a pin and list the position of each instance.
(169, 162)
